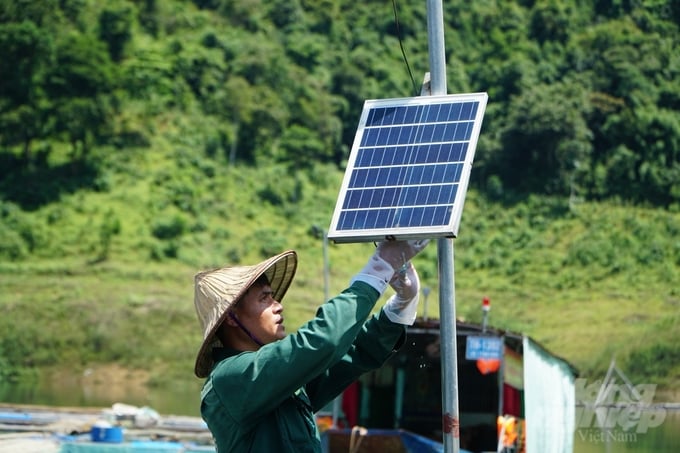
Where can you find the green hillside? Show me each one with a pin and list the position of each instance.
(143, 141)
(588, 282)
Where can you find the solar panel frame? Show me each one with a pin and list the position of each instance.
(434, 147)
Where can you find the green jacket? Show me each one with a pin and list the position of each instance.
(264, 401)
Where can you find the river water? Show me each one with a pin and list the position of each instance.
(179, 398)
(660, 435)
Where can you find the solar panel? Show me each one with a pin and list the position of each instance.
(409, 168)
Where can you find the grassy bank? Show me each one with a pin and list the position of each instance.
(589, 281)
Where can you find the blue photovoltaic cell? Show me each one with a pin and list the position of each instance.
(408, 164)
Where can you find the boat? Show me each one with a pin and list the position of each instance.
(513, 395)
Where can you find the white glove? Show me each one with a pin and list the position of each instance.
(398, 253)
(389, 257)
(402, 307)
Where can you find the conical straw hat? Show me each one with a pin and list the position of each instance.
(215, 292)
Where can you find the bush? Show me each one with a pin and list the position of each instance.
(20, 233)
(12, 246)
(169, 227)
(271, 241)
(652, 362)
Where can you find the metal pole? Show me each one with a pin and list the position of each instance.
(447, 298)
(326, 266)
(449, 354)
(337, 402)
(426, 293)
(435, 40)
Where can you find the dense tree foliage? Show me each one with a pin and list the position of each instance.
(199, 132)
(584, 96)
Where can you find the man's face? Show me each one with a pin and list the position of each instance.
(261, 314)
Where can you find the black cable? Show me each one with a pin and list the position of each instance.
(401, 46)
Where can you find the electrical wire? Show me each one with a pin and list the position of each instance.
(401, 46)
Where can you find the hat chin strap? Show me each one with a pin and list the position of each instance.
(243, 328)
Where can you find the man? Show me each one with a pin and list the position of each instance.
(263, 386)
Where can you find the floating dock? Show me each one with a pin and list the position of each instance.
(47, 429)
